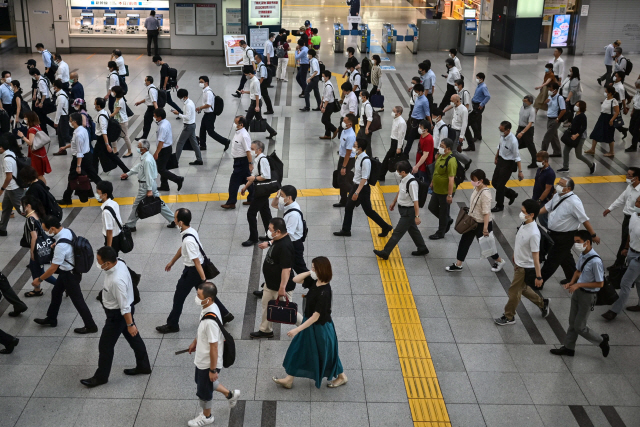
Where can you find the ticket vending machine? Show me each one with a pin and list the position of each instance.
(389, 38)
(365, 38)
(469, 33)
(160, 19)
(86, 22)
(338, 42)
(133, 23)
(110, 23)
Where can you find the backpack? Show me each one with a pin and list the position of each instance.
(451, 133)
(162, 96)
(54, 67)
(277, 167)
(52, 207)
(82, 253)
(21, 162)
(114, 131)
(24, 108)
(280, 52)
(460, 171)
(173, 78)
(423, 191)
(229, 352)
(607, 295)
(629, 67)
(305, 230)
(374, 173)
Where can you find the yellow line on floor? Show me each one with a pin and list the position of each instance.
(139, 56)
(91, 56)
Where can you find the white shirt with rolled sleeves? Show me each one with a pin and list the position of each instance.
(349, 105)
(108, 222)
(526, 116)
(406, 199)
(209, 333)
(80, 142)
(254, 88)
(627, 199)
(327, 93)
(62, 106)
(102, 123)
(268, 49)
(151, 95)
(460, 119)
(117, 290)
(295, 227)
(508, 148)
(240, 144)
(112, 80)
(122, 70)
(634, 232)
(264, 170)
(63, 72)
(248, 56)
(366, 110)
(208, 98)
(398, 129)
(569, 215)
(164, 133)
(363, 169)
(190, 249)
(63, 253)
(527, 242)
(453, 75)
(43, 88)
(314, 67)
(10, 165)
(189, 113)
(558, 67)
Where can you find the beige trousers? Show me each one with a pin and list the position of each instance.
(269, 295)
(517, 290)
(125, 135)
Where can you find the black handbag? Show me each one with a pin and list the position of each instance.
(148, 207)
(338, 179)
(125, 239)
(210, 270)
(258, 125)
(282, 311)
(397, 158)
(566, 139)
(265, 188)
(48, 106)
(173, 162)
(618, 122)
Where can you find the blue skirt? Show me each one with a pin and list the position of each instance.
(313, 354)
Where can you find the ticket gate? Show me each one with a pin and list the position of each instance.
(338, 43)
(364, 44)
(389, 38)
(412, 38)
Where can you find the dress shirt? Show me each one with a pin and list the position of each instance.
(569, 215)
(412, 97)
(440, 132)
(366, 110)
(406, 199)
(301, 55)
(453, 75)
(268, 48)
(555, 105)
(254, 88)
(122, 113)
(240, 144)
(429, 81)
(208, 98)
(146, 169)
(363, 169)
(457, 64)
(113, 80)
(151, 23)
(508, 148)
(398, 128)
(634, 232)
(164, 133)
(608, 54)
(558, 67)
(10, 165)
(63, 254)
(465, 97)
(6, 93)
(421, 108)
(355, 79)
(295, 226)
(349, 105)
(43, 88)
(527, 115)
(347, 139)
(190, 248)
(62, 105)
(189, 113)
(63, 72)
(47, 57)
(261, 71)
(620, 64)
(80, 142)
(264, 170)
(628, 200)
(108, 222)
(619, 87)
(527, 242)
(102, 123)
(151, 96)
(460, 119)
(591, 272)
(636, 101)
(117, 291)
(481, 96)
(314, 67)
(327, 93)
(122, 70)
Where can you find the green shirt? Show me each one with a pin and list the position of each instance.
(315, 41)
(441, 174)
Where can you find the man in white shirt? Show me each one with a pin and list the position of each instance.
(398, 131)
(507, 160)
(608, 61)
(256, 100)
(117, 297)
(626, 200)
(409, 209)
(349, 104)
(355, 78)
(62, 73)
(459, 121)
(634, 123)
(268, 48)
(113, 79)
(452, 75)
(209, 348)
(328, 106)
(208, 122)
(193, 275)
(262, 74)
(526, 123)
(42, 95)
(164, 151)
(248, 59)
(242, 162)
(107, 153)
(312, 81)
(366, 117)
(558, 64)
(620, 62)
(440, 128)
(116, 56)
(188, 128)
(151, 102)
(527, 272)
(111, 220)
(260, 172)
(10, 188)
(566, 214)
(61, 122)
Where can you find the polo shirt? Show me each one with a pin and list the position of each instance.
(527, 242)
(543, 178)
(441, 174)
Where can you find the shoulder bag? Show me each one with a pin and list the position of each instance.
(464, 221)
(265, 188)
(618, 123)
(148, 207)
(210, 270)
(567, 140)
(125, 238)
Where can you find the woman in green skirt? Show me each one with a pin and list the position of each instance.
(313, 352)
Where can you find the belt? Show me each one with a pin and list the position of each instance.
(405, 207)
(633, 250)
(551, 118)
(588, 292)
(142, 182)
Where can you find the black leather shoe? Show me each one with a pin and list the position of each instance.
(610, 315)
(16, 313)
(468, 149)
(260, 334)
(164, 188)
(381, 254)
(339, 205)
(8, 349)
(249, 242)
(497, 208)
(60, 153)
(46, 321)
(305, 109)
(236, 95)
(92, 382)
(316, 109)
(562, 351)
(264, 238)
(512, 199)
(272, 135)
(631, 150)
(180, 183)
(86, 330)
(63, 202)
(133, 229)
(634, 308)
(270, 112)
(197, 163)
(172, 224)
(533, 166)
(227, 318)
(342, 233)
(139, 138)
(386, 232)
(257, 294)
(420, 252)
(167, 329)
(604, 345)
(436, 236)
(448, 225)
(136, 371)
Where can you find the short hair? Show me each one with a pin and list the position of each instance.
(570, 184)
(290, 191)
(107, 254)
(300, 42)
(454, 51)
(272, 35)
(352, 118)
(437, 112)
(424, 123)
(243, 42)
(326, 73)
(364, 93)
(312, 52)
(4, 73)
(39, 45)
(118, 91)
(448, 142)
(549, 65)
(403, 166)
(529, 98)
(418, 88)
(583, 235)
(506, 124)
(278, 224)
(480, 76)
(282, 31)
(117, 52)
(106, 187)
(559, 49)
(399, 109)
(554, 86)
(242, 120)
(28, 174)
(15, 83)
(459, 82)
(100, 102)
(322, 267)
(635, 170)
(450, 62)
(32, 118)
(582, 106)
(51, 221)
(422, 66)
(34, 71)
(146, 145)
(617, 50)
(159, 112)
(204, 79)
(152, 13)
(209, 290)
(362, 143)
(77, 118)
(156, 58)
(351, 64)
(259, 144)
(543, 155)
(248, 69)
(531, 207)
(314, 30)
(426, 64)
(184, 215)
(150, 78)
(58, 57)
(112, 64)
(351, 50)
(182, 93)
(415, 79)
(620, 74)
(347, 86)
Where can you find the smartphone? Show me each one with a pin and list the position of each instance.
(182, 352)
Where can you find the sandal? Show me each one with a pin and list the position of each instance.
(590, 152)
(282, 383)
(331, 384)
(32, 294)
(609, 154)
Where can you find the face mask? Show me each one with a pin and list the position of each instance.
(525, 105)
(501, 133)
(636, 209)
(72, 81)
(412, 84)
(7, 80)
(99, 266)
(253, 154)
(201, 85)
(576, 108)
(522, 216)
(453, 104)
(398, 175)
(199, 302)
(475, 183)
(113, 94)
(313, 275)
(139, 150)
(33, 78)
(185, 100)
(48, 233)
(477, 81)
(546, 70)
(629, 180)
(269, 234)
(282, 200)
(158, 65)
(606, 93)
(420, 131)
(440, 150)
(540, 164)
(157, 121)
(580, 247)
(393, 115)
(559, 188)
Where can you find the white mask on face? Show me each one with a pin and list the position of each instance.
(559, 189)
(201, 85)
(398, 175)
(576, 108)
(281, 200)
(253, 154)
(48, 233)
(269, 234)
(522, 216)
(98, 265)
(420, 131)
(477, 81)
(636, 209)
(580, 247)
(313, 275)
(540, 164)
(629, 180)
(440, 150)
(393, 115)
(199, 302)
(7, 80)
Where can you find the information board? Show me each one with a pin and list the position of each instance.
(234, 21)
(232, 50)
(551, 8)
(206, 19)
(185, 19)
(257, 38)
(264, 12)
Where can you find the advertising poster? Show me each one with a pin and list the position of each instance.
(551, 8)
(232, 50)
(560, 30)
(264, 12)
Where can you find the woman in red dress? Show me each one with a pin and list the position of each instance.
(39, 159)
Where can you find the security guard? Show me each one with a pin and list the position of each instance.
(242, 163)
(261, 171)
(506, 160)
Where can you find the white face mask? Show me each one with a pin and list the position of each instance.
(629, 180)
(313, 275)
(393, 115)
(269, 234)
(440, 150)
(398, 175)
(238, 127)
(636, 209)
(540, 164)
(501, 133)
(477, 81)
(199, 302)
(522, 216)
(201, 85)
(7, 80)
(281, 200)
(559, 189)
(253, 154)
(113, 94)
(420, 131)
(48, 233)
(606, 94)
(579, 246)
(576, 108)
(99, 266)
(453, 104)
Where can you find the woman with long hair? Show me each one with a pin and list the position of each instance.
(34, 211)
(604, 130)
(120, 114)
(39, 159)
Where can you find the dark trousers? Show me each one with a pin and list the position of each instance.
(44, 120)
(623, 241)
(475, 125)
(634, 128)
(312, 86)
(329, 128)
(173, 104)
(5, 338)
(364, 200)
(412, 134)
(363, 135)
(560, 255)
(258, 204)
(407, 223)
(147, 120)
(114, 326)
(607, 76)
(264, 91)
(111, 102)
(432, 105)
(165, 174)
(243, 80)
(391, 153)
(527, 142)
(252, 113)
(502, 174)
(36, 271)
(301, 77)
(467, 239)
(189, 280)
(69, 282)
(439, 207)
(86, 168)
(446, 99)
(345, 184)
(63, 131)
(239, 177)
(152, 36)
(208, 126)
(299, 265)
(10, 295)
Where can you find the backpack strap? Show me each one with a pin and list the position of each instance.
(194, 238)
(113, 214)
(13, 175)
(69, 242)
(409, 183)
(587, 260)
(294, 210)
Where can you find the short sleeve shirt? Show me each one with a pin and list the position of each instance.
(9, 165)
(347, 139)
(190, 247)
(108, 222)
(442, 173)
(425, 146)
(318, 300)
(592, 271)
(527, 242)
(164, 133)
(208, 333)
(279, 257)
(543, 178)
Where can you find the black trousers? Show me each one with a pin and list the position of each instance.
(208, 126)
(10, 295)
(607, 75)
(467, 239)
(432, 105)
(86, 168)
(264, 91)
(152, 36)
(190, 279)
(439, 207)
(243, 80)
(329, 128)
(364, 200)
(5, 338)
(64, 131)
(44, 119)
(239, 177)
(634, 128)
(502, 174)
(312, 86)
(391, 153)
(560, 256)
(623, 240)
(69, 282)
(165, 174)
(173, 104)
(412, 134)
(345, 184)
(114, 326)
(446, 99)
(299, 265)
(301, 76)
(252, 113)
(527, 142)
(363, 135)
(475, 125)
(258, 204)
(147, 120)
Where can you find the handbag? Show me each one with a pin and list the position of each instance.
(148, 207)
(48, 106)
(282, 311)
(464, 221)
(125, 238)
(80, 182)
(173, 162)
(210, 270)
(337, 178)
(395, 159)
(618, 122)
(40, 140)
(377, 101)
(566, 139)
(258, 125)
(265, 188)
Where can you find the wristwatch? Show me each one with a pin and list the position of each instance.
(2, 188)
(593, 235)
(214, 371)
(130, 325)
(538, 278)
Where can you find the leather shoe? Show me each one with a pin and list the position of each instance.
(60, 153)
(339, 205)
(269, 112)
(246, 203)
(497, 208)
(228, 206)
(167, 329)
(260, 334)
(180, 183)
(448, 225)
(305, 109)
(64, 202)
(512, 199)
(385, 232)
(316, 109)
(92, 382)
(555, 155)
(604, 345)
(335, 133)
(164, 188)
(272, 135)
(8, 348)
(46, 321)
(342, 233)
(634, 307)
(197, 163)
(631, 150)
(16, 312)
(136, 371)
(532, 166)
(236, 95)
(610, 315)
(381, 254)
(86, 330)
(468, 149)
(324, 137)
(564, 281)
(562, 351)
(420, 252)
(172, 224)
(258, 294)
(436, 236)
(248, 243)
(264, 238)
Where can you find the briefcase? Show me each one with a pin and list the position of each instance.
(80, 182)
(265, 188)
(258, 125)
(173, 162)
(338, 179)
(148, 207)
(282, 311)
(377, 101)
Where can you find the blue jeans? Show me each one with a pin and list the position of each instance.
(37, 270)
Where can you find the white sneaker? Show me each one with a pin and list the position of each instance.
(200, 420)
(234, 398)
(498, 266)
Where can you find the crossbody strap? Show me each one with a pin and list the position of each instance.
(113, 214)
(586, 261)
(559, 203)
(477, 199)
(194, 237)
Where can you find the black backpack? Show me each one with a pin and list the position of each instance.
(229, 352)
(376, 167)
(629, 67)
(21, 162)
(607, 295)
(162, 96)
(24, 108)
(277, 167)
(305, 230)
(451, 133)
(423, 191)
(173, 78)
(218, 104)
(114, 131)
(52, 207)
(460, 171)
(82, 252)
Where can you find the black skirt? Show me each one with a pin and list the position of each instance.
(602, 131)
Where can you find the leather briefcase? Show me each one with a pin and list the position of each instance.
(80, 182)
(282, 311)
(148, 207)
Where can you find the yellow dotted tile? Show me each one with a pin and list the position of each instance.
(408, 331)
(429, 410)
(391, 288)
(421, 368)
(413, 349)
(400, 301)
(401, 316)
(187, 198)
(423, 388)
